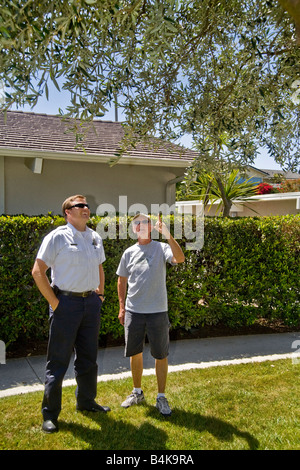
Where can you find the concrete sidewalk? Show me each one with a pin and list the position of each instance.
(27, 374)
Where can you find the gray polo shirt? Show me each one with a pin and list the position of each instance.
(145, 268)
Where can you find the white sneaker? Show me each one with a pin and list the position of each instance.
(133, 399)
(163, 406)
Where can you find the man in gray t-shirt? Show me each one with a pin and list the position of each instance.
(145, 268)
(142, 276)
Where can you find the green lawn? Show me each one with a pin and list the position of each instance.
(248, 406)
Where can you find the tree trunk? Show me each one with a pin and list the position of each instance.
(226, 202)
(206, 197)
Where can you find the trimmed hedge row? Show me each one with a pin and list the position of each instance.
(248, 269)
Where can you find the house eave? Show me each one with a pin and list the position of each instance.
(260, 197)
(93, 157)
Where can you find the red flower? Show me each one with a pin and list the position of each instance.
(264, 188)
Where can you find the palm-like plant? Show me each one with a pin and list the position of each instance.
(222, 189)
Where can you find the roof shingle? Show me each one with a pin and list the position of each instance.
(42, 132)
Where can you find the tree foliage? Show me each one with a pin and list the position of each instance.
(221, 71)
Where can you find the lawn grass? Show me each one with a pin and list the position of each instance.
(246, 406)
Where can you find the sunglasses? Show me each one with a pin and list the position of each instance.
(81, 205)
(138, 222)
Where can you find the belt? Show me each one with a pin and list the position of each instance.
(73, 294)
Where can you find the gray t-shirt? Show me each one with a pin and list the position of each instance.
(145, 268)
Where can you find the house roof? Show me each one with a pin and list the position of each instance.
(289, 175)
(257, 170)
(48, 136)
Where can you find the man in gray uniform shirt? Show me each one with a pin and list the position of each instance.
(142, 270)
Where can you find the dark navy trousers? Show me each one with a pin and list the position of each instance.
(74, 326)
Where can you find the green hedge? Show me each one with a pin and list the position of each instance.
(248, 269)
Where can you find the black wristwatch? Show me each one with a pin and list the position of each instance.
(101, 295)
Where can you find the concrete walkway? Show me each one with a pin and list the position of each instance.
(27, 374)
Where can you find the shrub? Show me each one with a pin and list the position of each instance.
(290, 186)
(247, 269)
(266, 188)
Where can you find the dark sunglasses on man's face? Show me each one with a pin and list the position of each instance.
(138, 222)
(81, 205)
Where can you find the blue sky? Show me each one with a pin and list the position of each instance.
(61, 100)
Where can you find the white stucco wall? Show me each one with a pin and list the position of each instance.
(33, 193)
(268, 205)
